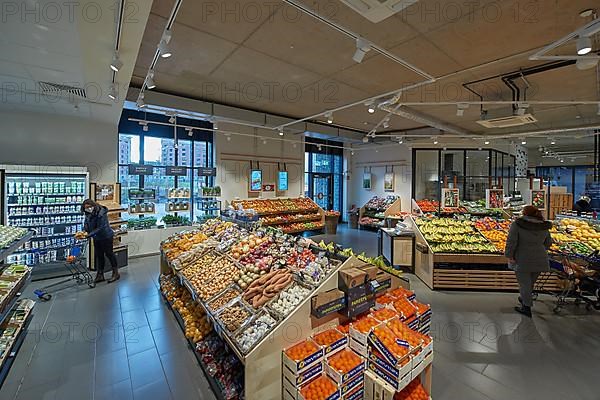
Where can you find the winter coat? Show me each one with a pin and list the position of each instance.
(528, 243)
(97, 225)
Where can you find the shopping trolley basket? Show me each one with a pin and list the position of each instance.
(76, 264)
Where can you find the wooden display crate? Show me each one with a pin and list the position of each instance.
(489, 280)
(560, 202)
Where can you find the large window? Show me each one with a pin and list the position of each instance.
(156, 146)
(578, 180)
(324, 174)
(471, 170)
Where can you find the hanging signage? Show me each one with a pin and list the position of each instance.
(176, 171)
(450, 198)
(268, 187)
(388, 182)
(255, 180)
(139, 169)
(207, 171)
(494, 198)
(282, 181)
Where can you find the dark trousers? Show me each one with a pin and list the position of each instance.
(104, 247)
(526, 282)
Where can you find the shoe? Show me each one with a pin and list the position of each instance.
(115, 277)
(99, 278)
(524, 310)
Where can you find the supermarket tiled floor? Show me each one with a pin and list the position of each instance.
(120, 341)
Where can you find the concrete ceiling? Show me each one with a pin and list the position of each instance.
(67, 44)
(269, 57)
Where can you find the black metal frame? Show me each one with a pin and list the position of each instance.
(463, 179)
(312, 147)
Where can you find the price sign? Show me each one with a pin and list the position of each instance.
(207, 172)
(176, 171)
(138, 169)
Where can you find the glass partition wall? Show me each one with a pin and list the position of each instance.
(471, 168)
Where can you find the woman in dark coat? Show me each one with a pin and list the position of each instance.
(98, 228)
(527, 251)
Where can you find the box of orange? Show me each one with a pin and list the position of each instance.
(406, 308)
(294, 389)
(384, 313)
(322, 388)
(402, 292)
(351, 386)
(419, 367)
(302, 356)
(414, 390)
(398, 371)
(385, 300)
(331, 340)
(344, 366)
(392, 348)
(361, 328)
(356, 394)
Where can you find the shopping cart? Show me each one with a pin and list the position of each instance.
(76, 264)
(580, 280)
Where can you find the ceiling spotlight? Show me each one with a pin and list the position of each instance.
(584, 45)
(215, 125)
(228, 136)
(365, 139)
(116, 63)
(319, 147)
(562, 161)
(435, 141)
(190, 131)
(264, 141)
(145, 128)
(386, 123)
(112, 93)
(400, 139)
(553, 142)
(370, 107)
(163, 47)
(588, 12)
(524, 142)
(150, 80)
(486, 142)
(362, 47)
(172, 119)
(281, 132)
(352, 153)
(578, 116)
(329, 116)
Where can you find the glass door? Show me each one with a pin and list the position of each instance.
(323, 190)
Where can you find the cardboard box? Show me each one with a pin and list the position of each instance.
(302, 365)
(396, 385)
(359, 299)
(343, 379)
(423, 353)
(297, 380)
(351, 277)
(397, 371)
(381, 283)
(359, 336)
(328, 302)
(370, 270)
(358, 348)
(375, 343)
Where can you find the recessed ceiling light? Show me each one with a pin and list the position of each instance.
(523, 142)
(116, 63)
(486, 142)
(371, 109)
(365, 139)
(578, 116)
(351, 153)
(435, 141)
(215, 125)
(584, 45)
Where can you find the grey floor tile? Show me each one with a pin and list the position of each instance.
(111, 368)
(168, 340)
(157, 390)
(120, 390)
(145, 368)
(138, 339)
(134, 318)
(45, 391)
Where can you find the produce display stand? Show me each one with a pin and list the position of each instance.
(494, 198)
(559, 203)
(364, 211)
(467, 271)
(9, 305)
(311, 214)
(397, 250)
(263, 369)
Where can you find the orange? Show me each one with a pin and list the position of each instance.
(328, 337)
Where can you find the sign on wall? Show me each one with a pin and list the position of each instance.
(268, 187)
(255, 180)
(282, 181)
(388, 182)
(367, 180)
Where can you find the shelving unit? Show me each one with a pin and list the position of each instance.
(109, 195)
(378, 213)
(208, 207)
(283, 218)
(48, 204)
(141, 199)
(10, 306)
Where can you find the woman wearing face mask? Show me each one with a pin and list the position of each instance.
(98, 228)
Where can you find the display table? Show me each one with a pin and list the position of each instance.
(397, 249)
(145, 242)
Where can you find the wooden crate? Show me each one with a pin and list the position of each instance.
(488, 280)
(560, 202)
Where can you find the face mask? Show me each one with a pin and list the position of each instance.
(89, 210)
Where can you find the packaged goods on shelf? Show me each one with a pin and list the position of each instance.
(10, 235)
